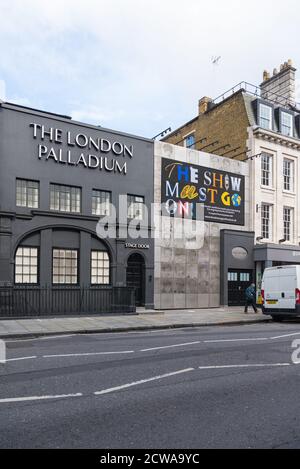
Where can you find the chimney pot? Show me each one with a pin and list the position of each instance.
(203, 104)
(266, 75)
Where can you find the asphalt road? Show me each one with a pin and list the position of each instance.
(214, 387)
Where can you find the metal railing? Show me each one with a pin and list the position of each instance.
(41, 301)
(255, 91)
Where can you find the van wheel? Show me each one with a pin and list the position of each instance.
(277, 318)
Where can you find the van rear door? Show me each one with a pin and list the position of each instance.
(280, 285)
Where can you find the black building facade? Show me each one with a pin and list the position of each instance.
(58, 178)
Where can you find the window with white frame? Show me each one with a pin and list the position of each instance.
(265, 116)
(190, 141)
(65, 198)
(65, 267)
(135, 207)
(266, 221)
(288, 175)
(99, 268)
(288, 223)
(101, 201)
(244, 277)
(27, 193)
(232, 276)
(287, 127)
(26, 265)
(266, 169)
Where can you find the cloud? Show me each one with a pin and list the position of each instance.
(138, 65)
(95, 115)
(2, 90)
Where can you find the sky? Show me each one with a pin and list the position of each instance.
(139, 66)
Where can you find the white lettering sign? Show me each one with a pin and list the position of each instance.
(92, 152)
(137, 246)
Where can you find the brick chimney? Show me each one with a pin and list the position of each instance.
(203, 104)
(280, 87)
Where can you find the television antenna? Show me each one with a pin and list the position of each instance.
(216, 59)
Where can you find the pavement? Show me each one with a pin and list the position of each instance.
(205, 387)
(144, 320)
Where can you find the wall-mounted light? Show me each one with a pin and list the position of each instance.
(163, 133)
(259, 238)
(281, 241)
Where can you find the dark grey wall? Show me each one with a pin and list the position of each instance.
(19, 159)
(279, 253)
(231, 239)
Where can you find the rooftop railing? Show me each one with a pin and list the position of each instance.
(258, 92)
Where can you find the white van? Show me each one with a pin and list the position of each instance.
(281, 292)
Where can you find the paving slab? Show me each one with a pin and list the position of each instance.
(142, 321)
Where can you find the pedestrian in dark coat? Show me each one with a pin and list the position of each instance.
(250, 295)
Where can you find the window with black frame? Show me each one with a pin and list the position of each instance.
(135, 207)
(101, 201)
(100, 268)
(27, 193)
(26, 265)
(65, 198)
(65, 267)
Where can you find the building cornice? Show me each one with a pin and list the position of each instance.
(277, 138)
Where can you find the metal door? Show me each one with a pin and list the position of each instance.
(135, 277)
(238, 281)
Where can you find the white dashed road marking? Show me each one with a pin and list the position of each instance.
(212, 341)
(170, 346)
(38, 398)
(87, 354)
(235, 340)
(286, 335)
(136, 383)
(20, 358)
(143, 381)
(61, 336)
(260, 365)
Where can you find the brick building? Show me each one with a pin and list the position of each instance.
(261, 126)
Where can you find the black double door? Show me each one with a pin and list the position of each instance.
(135, 277)
(238, 281)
